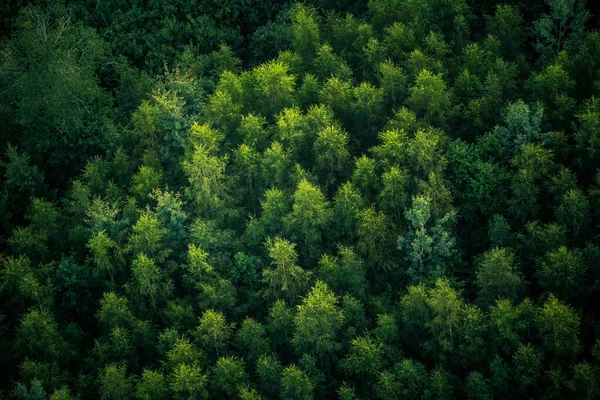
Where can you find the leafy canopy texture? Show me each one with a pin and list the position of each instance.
(299, 199)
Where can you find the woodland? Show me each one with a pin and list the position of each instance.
(325, 199)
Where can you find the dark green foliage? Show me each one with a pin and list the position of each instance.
(266, 199)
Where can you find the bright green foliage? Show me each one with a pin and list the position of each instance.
(39, 336)
(429, 96)
(274, 86)
(317, 322)
(252, 339)
(374, 238)
(229, 375)
(147, 237)
(208, 187)
(407, 377)
(331, 154)
(188, 382)
(286, 279)
(344, 273)
(558, 325)
(446, 308)
(309, 218)
(148, 280)
(365, 357)
(295, 384)
(213, 330)
(152, 386)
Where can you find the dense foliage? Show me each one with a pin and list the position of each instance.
(392, 199)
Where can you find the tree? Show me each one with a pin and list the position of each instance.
(309, 218)
(344, 273)
(213, 330)
(327, 64)
(188, 382)
(429, 97)
(286, 280)
(252, 340)
(149, 281)
(274, 88)
(558, 326)
(49, 69)
(317, 322)
(331, 155)
(478, 387)
(394, 197)
(573, 212)
(561, 273)
(374, 238)
(507, 25)
(497, 277)
(304, 32)
(365, 358)
(528, 366)
(415, 314)
(347, 205)
(407, 378)
(208, 186)
(446, 310)
(269, 371)
(115, 384)
(427, 246)
(563, 26)
(229, 375)
(295, 384)
(147, 237)
(39, 338)
(152, 386)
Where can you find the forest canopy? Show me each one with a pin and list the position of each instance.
(261, 199)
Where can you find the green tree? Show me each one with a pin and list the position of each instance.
(252, 340)
(213, 330)
(558, 326)
(188, 382)
(497, 276)
(561, 273)
(39, 338)
(274, 87)
(295, 384)
(317, 322)
(115, 384)
(365, 358)
(149, 281)
(564, 25)
(152, 386)
(49, 74)
(309, 218)
(429, 97)
(428, 246)
(228, 375)
(208, 185)
(304, 32)
(286, 279)
(331, 155)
